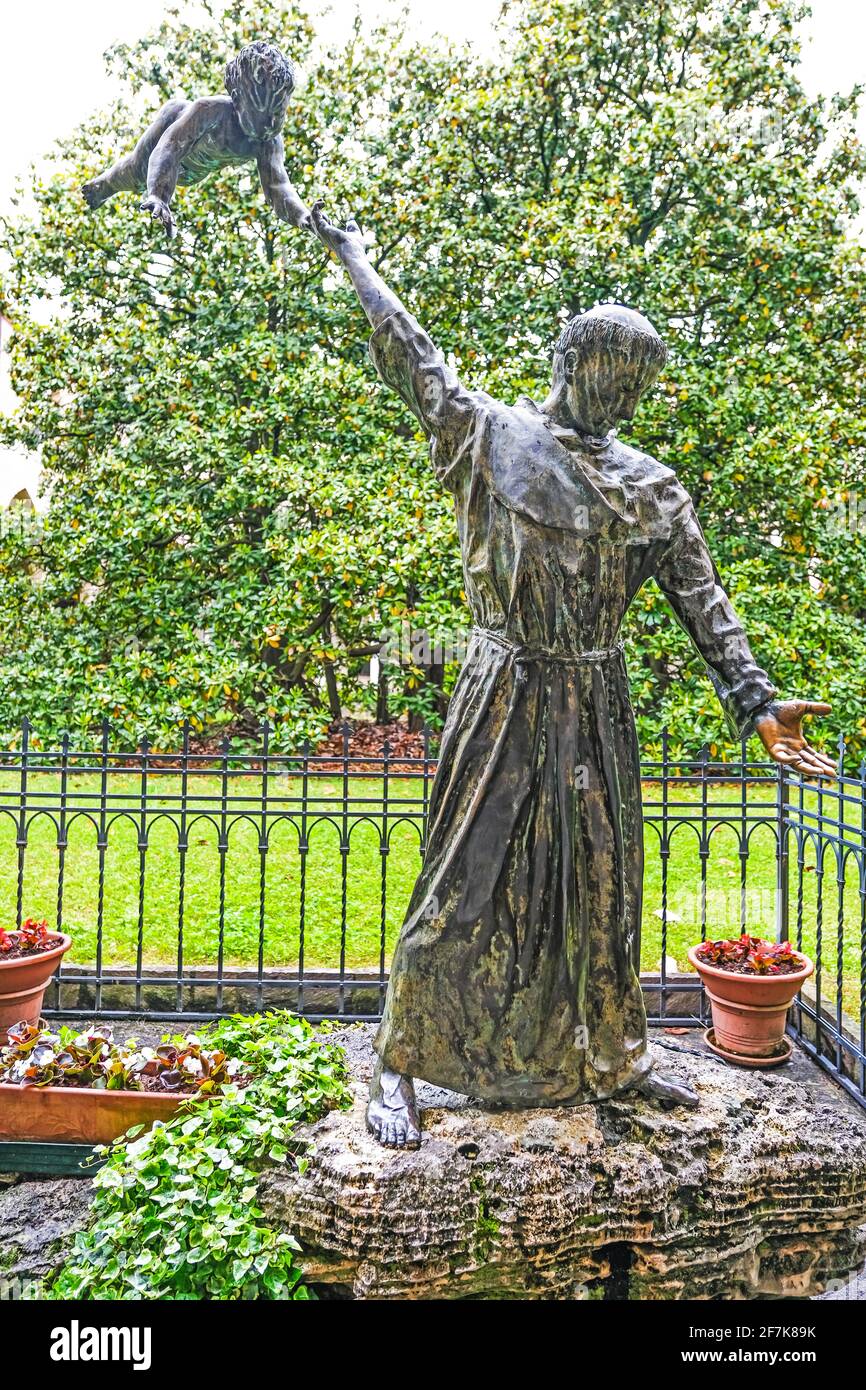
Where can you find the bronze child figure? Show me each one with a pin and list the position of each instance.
(515, 978)
(191, 139)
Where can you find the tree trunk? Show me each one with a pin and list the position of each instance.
(382, 714)
(333, 693)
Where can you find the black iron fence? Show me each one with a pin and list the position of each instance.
(205, 882)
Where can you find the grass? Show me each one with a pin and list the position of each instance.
(278, 886)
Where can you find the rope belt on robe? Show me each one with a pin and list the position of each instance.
(522, 653)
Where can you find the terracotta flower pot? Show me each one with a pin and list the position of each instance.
(749, 1011)
(23, 983)
(76, 1115)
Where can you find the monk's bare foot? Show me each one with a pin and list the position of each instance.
(392, 1112)
(664, 1088)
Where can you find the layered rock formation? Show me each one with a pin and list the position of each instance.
(760, 1192)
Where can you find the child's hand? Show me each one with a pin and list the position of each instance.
(94, 193)
(299, 215)
(161, 211)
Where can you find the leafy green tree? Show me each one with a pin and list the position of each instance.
(234, 521)
(240, 512)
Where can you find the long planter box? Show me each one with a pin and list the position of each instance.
(49, 1160)
(69, 1115)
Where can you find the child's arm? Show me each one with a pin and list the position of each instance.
(277, 187)
(164, 165)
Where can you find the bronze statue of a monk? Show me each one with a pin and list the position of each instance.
(515, 977)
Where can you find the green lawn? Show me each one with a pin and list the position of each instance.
(281, 884)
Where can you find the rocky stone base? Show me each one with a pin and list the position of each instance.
(761, 1192)
(36, 1217)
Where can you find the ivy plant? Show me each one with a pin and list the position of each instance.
(175, 1214)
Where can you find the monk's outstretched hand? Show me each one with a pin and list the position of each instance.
(779, 728)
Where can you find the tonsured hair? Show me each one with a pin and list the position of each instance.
(613, 326)
(262, 71)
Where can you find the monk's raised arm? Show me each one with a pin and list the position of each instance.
(347, 244)
(407, 360)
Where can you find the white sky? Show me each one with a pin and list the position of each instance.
(72, 35)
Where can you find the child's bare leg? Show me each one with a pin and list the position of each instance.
(129, 175)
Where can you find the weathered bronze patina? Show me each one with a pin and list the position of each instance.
(515, 978)
(191, 139)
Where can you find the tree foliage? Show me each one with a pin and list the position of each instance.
(240, 512)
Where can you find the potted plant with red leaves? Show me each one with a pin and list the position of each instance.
(29, 957)
(750, 984)
(84, 1088)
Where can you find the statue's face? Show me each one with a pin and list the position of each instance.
(603, 387)
(261, 113)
